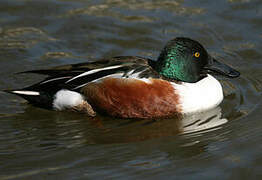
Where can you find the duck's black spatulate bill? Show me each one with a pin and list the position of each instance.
(217, 67)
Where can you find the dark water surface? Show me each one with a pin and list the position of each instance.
(42, 144)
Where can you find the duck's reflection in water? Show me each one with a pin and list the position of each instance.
(203, 121)
(77, 129)
(124, 131)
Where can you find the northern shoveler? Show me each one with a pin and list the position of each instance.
(177, 82)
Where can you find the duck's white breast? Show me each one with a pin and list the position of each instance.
(196, 97)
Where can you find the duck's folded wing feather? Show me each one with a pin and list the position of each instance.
(75, 76)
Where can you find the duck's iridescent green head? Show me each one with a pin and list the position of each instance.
(187, 60)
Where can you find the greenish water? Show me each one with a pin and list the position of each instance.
(42, 144)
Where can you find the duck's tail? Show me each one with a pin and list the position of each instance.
(22, 92)
(33, 97)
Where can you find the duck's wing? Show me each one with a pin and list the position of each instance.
(75, 76)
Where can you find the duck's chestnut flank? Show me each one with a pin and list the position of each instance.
(132, 98)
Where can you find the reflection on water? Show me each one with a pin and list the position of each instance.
(141, 130)
(204, 121)
(70, 130)
(223, 142)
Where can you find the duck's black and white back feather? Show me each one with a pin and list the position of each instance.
(75, 76)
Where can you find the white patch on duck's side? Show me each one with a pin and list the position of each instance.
(200, 96)
(65, 99)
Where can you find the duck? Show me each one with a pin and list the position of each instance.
(178, 82)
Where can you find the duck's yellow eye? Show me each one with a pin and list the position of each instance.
(197, 54)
